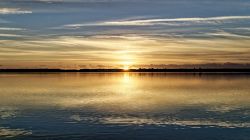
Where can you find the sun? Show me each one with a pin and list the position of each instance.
(125, 67)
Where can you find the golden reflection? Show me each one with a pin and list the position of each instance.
(125, 92)
(127, 86)
(126, 78)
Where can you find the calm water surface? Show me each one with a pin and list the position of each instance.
(125, 106)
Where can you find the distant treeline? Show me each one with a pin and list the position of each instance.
(226, 70)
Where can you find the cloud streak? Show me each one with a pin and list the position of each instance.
(5, 11)
(162, 21)
(10, 35)
(11, 29)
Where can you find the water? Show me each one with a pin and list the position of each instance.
(125, 106)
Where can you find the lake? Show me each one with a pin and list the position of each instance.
(124, 106)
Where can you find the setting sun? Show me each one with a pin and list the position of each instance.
(125, 68)
(126, 65)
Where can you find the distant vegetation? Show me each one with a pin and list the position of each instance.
(194, 70)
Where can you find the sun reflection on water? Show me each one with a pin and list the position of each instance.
(122, 97)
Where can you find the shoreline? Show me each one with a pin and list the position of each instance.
(245, 71)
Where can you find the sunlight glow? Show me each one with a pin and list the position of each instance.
(125, 67)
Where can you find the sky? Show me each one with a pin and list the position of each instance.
(123, 33)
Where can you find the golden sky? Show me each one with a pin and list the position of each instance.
(122, 33)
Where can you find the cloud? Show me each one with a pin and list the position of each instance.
(162, 21)
(10, 35)
(11, 29)
(5, 11)
(226, 34)
(117, 50)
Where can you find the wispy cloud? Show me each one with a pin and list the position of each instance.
(11, 29)
(10, 35)
(14, 11)
(162, 21)
(116, 50)
(226, 34)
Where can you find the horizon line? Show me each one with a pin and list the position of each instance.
(182, 70)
